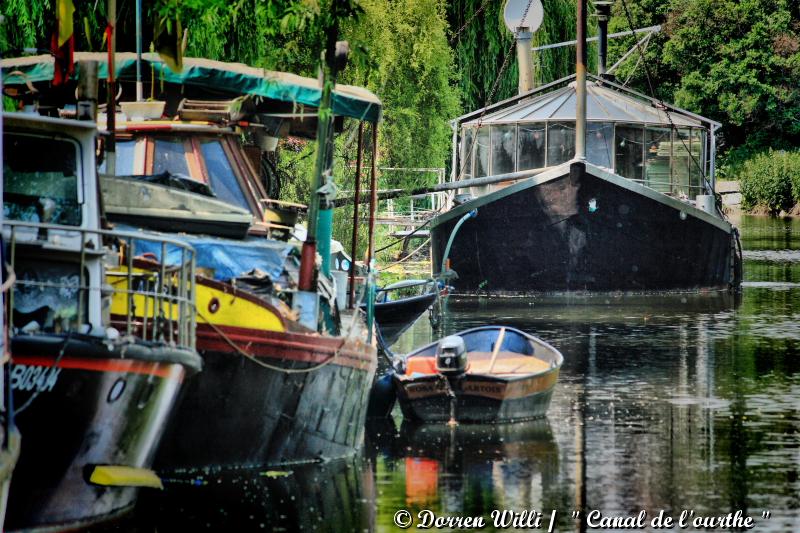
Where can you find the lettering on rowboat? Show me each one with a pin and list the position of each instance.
(34, 378)
(495, 390)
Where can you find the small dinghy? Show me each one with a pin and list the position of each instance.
(482, 375)
(399, 305)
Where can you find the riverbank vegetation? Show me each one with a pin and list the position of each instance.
(770, 182)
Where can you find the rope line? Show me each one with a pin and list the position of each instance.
(407, 257)
(660, 101)
(268, 366)
(492, 92)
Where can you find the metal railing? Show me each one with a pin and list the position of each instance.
(147, 298)
(419, 209)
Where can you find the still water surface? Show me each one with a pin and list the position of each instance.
(664, 402)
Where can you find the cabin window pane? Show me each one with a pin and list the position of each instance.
(599, 143)
(560, 143)
(220, 174)
(697, 167)
(531, 146)
(467, 149)
(681, 163)
(170, 156)
(482, 153)
(629, 142)
(48, 293)
(126, 158)
(503, 149)
(41, 179)
(658, 148)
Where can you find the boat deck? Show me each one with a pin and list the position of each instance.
(506, 364)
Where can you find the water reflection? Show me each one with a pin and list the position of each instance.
(332, 497)
(675, 401)
(664, 402)
(466, 470)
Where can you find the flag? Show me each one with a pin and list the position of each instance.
(167, 43)
(62, 44)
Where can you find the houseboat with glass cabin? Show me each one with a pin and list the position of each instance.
(639, 213)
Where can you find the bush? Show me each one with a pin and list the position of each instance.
(771, 180)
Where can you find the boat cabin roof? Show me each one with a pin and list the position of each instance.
(209, 79)
(603, 104)
(165, 126)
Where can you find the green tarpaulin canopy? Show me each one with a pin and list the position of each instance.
(235, 78)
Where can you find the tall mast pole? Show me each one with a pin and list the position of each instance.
(580, 80)
(354, 242)
(111, 89)
(139, 86)
(320, 204)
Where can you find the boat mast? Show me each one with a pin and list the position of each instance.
(139, 87)
(111, 90)
(580, 80)
(320, 206)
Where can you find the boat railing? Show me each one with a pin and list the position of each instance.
(149, 298)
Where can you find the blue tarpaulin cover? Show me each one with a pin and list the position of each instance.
(224, 257)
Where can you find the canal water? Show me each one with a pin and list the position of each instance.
(687, 402)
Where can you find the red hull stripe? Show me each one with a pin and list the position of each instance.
(101, 365)
(288, 346)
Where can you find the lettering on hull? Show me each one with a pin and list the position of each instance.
(34, 378)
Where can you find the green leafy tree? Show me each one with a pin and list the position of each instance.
(481, 42)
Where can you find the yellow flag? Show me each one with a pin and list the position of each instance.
(64, 12)
(167, 43)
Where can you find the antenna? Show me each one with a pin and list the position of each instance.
(515, 11)
(522, 18)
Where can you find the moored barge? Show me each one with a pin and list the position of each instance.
(285, 365)
(91, 401)
(584, 186)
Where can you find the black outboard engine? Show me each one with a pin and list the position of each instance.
(451, 356)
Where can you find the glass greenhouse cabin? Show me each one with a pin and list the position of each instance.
(637, 214)
(629, 135)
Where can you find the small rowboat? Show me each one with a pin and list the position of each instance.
(396, 311)
(482, 375)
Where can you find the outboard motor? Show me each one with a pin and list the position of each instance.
(451, 356)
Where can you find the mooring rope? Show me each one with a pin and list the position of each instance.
(268, 366)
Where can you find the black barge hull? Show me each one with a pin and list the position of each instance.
(585, 230)
(247, 412)
(81, 405)
(395, 317)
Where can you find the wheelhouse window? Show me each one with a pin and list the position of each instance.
(171, 155)
(682, 162)
(560, 143)
(503, 149)
(37, 188)
(482, 153)
(629, 152)
(531, 146)
(658, 152)
(697, 164)
(600, 143)
(49, 294)
(467, 151)
(221, 176)
(124, 164)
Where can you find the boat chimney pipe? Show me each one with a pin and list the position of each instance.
(87, 90)
(580, 81)
(525, 60)
(603, 8)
